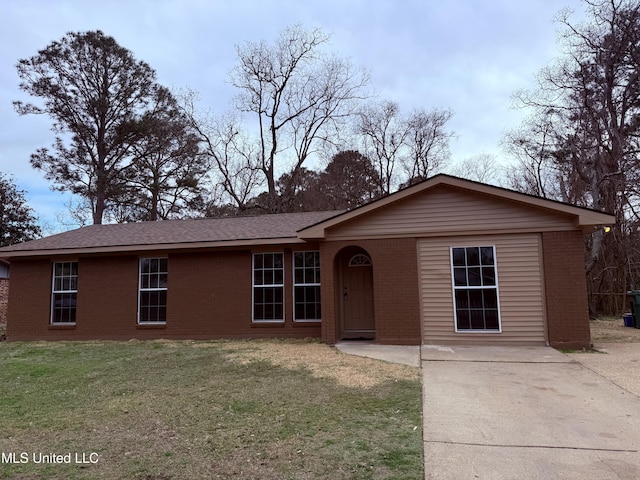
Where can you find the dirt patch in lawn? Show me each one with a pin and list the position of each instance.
(612, 330)
(321, 360)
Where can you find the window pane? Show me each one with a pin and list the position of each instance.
(463, 320)
(474, 277)
(163, 265)
(277, 260)
(278, 277)
(298, 259)
(462, 299)
(491, 319)
(477, 320)
(487, 255)
(460, 276)
(488, 276)
(458, 257)
(475, 299)
(473, 256)
(258, 261)
(490, 298)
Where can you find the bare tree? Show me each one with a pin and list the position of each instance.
(480, 168)
(427, 142)
(298, 97)
(592, 94)
(418, 143)
(384, 132)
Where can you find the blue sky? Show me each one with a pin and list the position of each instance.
(466, 55)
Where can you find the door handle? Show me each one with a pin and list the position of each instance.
(345, 295)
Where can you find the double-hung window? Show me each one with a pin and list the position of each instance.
(268, 287)
(306, 286)
(475, 289)
(152, 295)
(64, 293)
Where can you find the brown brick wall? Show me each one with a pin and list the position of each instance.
(566, 289)
(209, 296)
(4, 300)
(395, 284)
(29, 297)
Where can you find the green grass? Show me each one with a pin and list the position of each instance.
(173, 410)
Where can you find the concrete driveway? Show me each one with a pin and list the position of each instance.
(525, 413)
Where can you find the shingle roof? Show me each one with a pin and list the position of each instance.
(174, 234)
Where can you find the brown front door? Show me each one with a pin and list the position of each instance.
(357, 301)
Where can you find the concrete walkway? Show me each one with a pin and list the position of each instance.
(525, 413)
(518, 413)
(407, 355)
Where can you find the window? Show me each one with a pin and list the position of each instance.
(475, 289)
(64, 293)
(152, 297)
(306, 286)
(360, 260)
(268, 287)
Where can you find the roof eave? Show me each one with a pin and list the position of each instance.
(151, 247)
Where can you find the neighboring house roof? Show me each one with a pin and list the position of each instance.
(584, 218)
(270, 229)
(172, 234)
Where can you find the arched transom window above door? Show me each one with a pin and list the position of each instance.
(360, 260)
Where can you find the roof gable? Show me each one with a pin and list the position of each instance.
(444, 205)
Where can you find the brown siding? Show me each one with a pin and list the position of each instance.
(446, 211)
(209, 296)
(396, 302)
(566, 289)
(519, 285)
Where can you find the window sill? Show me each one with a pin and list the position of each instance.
(307, 323)
(62, 326)
(151, 326)
(481, 332)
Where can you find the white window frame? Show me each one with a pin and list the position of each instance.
(55, 291)
(274, 285)
(304, 284)
(475, 287)
(152, 289)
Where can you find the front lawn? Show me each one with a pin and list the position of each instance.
(189, 410)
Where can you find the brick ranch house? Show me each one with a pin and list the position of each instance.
(446, 261)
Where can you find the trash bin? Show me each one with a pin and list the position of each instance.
(634, 303)
(628, 319)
